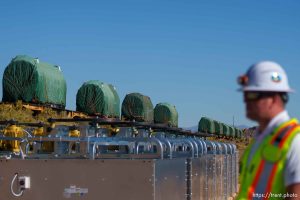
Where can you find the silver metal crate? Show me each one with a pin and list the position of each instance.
(111, 179)
(156, 168)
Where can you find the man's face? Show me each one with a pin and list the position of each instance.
(257, 105)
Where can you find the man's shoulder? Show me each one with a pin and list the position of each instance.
(296, 140)
(292, 167)
(295, 146)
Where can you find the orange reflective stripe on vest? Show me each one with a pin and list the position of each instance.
(274, 170)
(282, 130)
(256, 179)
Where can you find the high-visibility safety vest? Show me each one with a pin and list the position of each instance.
(262, 177)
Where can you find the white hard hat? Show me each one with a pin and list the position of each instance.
(265, 76)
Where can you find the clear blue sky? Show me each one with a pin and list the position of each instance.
(187, 53)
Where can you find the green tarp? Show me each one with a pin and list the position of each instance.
(137, 107)
(231, 131)
(240, 133)
(33, 81)
(98, 98)
(166, 113)
(218, 128)
(206, 125)
(226, 131)
(237, 132)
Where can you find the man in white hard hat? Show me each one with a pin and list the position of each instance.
(270, 167)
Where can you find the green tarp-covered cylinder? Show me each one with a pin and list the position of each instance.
(226, 131)
(33, 81)
(231, 131)
(206, 125)
(239, 133)
(218, 128)
(166, 113)
(137, 107)
(98, 98)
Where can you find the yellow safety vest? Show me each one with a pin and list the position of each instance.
(262, 176)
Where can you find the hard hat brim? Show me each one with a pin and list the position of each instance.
(259, 89)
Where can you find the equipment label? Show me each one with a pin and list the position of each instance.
(73, 190)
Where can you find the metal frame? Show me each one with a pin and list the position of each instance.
(207, 169)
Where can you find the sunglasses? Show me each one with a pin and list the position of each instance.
(254, 96)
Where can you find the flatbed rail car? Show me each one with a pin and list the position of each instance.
(163, 166)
